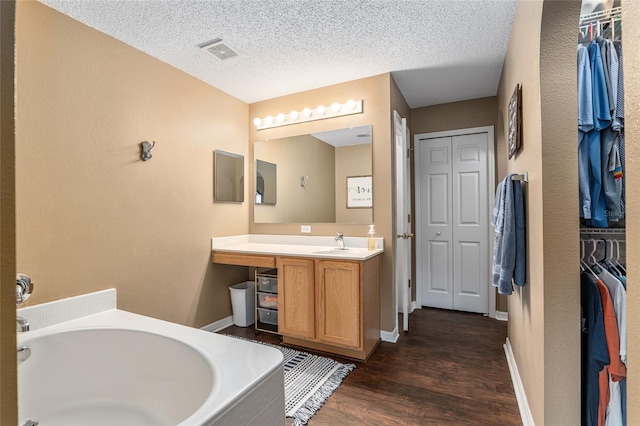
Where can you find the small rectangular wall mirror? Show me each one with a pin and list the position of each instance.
(228, 181)
(266, 183)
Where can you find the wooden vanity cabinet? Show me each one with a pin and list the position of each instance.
(296, 297)
(330, 305)
(339, 307)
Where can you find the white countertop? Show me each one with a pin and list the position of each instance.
(297, 245)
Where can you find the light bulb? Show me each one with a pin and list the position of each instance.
(294, 115)
(281, 117)
(351, 104)
(268, 119)
(306, 112)
(335, 107)
(257, 122)
(321, 109)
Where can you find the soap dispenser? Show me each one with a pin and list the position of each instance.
(371, 241)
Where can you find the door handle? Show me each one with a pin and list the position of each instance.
(438, 233)
(405, 235)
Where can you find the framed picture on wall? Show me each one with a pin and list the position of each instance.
(515, 121)
(359, 192)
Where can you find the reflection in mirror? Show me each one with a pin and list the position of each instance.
(312, 176)
(228, 181)
(265, 183)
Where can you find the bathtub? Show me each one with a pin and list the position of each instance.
(118, 368)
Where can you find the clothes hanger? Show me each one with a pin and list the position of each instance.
(583, 263)
(593, 260)
(620, 265)
(610, 260)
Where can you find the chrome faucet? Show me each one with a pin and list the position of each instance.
(22, 325)
(340, 241)
(24, 288)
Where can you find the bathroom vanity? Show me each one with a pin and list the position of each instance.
(327, 299)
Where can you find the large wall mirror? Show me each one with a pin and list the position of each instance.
(228, 177)
(312, 175)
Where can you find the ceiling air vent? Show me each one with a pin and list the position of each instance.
(219, 49)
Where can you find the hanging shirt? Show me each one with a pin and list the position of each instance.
(606, 68)
(616, 367)
(618, 123)
(594, 347)
(585, 124)
(602, 120)
(618, 296)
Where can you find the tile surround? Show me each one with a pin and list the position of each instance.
(57, 311)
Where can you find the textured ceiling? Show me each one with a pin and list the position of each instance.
(437, 51)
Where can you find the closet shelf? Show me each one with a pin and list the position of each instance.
(614, 13)
(602, 230)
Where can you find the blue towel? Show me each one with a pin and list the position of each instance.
(509, 254)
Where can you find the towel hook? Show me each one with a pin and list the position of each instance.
(146, 150)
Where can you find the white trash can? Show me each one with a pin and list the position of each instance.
(243, 303)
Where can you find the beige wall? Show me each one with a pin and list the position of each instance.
(374, 91)
(354, 160)
(90, 214)
(295, 157)
(8, 373)
(631, 36)
(455, 115)
(544, 315)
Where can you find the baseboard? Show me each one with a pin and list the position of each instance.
(523, 405)
(218, 325)
(390, 336)
(502, 316)
(414, 306)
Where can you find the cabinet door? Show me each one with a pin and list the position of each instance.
(339, 310)
(296, 299)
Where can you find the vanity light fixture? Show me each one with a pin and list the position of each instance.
(307, 114)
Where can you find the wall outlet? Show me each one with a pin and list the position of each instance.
(305, 229)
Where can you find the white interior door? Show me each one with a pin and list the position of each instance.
(453, 222)
(402, 207)
(434, 220)
(470, 223)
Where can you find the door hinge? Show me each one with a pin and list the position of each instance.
(409, 282)
(408, 152)
(409, 218)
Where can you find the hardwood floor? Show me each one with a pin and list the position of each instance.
(450, 369)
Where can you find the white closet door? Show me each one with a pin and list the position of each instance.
(436, 207)
(470, 223)
(453, 222)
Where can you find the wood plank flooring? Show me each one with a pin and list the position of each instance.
(450, 369)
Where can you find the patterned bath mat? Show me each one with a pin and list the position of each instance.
(308, 381)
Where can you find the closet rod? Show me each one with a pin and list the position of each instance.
(523, 177)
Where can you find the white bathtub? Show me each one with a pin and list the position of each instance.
(118, 368)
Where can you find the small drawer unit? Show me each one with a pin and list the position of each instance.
(267, 301)
(267, 284)
(268, 316)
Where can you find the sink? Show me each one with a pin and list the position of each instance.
(336, 250)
